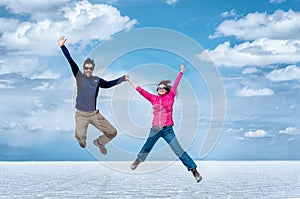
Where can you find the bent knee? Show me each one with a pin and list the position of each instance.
(112, 133)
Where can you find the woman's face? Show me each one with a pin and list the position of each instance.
(161, 89)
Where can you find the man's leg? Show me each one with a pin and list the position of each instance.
(108, 130)
(81, 128)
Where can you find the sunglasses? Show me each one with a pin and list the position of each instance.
(88, 68)
(161, 88)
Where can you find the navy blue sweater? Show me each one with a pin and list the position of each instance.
(87, 87)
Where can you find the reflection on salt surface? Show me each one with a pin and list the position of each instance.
(264, 179)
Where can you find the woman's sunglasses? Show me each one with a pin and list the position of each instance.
(161, 88)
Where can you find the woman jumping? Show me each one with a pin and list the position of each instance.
(162, 124)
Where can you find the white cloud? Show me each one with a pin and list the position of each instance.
(248, 92)
(290, 131)
(31, 112)
(260, 52)
(230, 13)
(279, 25)
(276, 1)
(18, 64)
(36, 9)
(7, 24)
(268, 39)
(5, 86)
(171, 2)
(233, 131)
(45, 86)
(256, 134)
(249, 70)
(49, 119)
(291, 72)
(81, 22)
(47, 74)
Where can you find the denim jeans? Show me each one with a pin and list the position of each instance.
(168, 135)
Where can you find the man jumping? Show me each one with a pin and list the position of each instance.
(87, 92)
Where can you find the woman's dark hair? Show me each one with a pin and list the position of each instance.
(166, 83)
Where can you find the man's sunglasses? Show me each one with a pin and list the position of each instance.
(161, 88)
(88, 68)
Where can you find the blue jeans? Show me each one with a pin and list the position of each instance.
(168, 135)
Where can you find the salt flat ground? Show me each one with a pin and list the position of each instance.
(221, 179)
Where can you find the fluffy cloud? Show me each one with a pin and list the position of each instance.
(279, 25)
(260, 52)
(82, 22)
(276, 1)
(18, 64)
(171, 2)
(30, 6)
(290, 131)
(291, 72)
(47, 74)
(249, 70)
(231, 13)
(6, 84)
(266, 39)
(248, 92)
(256, 134)
(45, 86)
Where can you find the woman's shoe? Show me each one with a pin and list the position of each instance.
(197, 175)
(135, 164)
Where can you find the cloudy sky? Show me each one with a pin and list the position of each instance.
(254, 45)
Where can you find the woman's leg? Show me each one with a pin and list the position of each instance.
(170, 138)
(147, 147)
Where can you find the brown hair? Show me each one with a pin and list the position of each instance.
(166, 83)
(89, 61)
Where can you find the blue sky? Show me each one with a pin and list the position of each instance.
(255, 46)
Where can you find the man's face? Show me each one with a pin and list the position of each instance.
(88, 69)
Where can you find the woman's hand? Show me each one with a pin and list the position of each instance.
(182, 68)
(130, 81)
(62, 40)
(126, 78)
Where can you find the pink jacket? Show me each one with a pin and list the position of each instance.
(162, 104)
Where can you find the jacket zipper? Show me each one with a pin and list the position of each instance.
(160, 109)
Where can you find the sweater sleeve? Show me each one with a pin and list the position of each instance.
(150, 97)
(108, 84)
(72, 63)
(176, 82)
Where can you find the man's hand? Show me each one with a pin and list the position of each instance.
(126, 78)
(62, 40)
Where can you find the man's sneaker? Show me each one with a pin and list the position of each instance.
(100, 146)
(196, 174)
(81, 142)
(135, 164)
